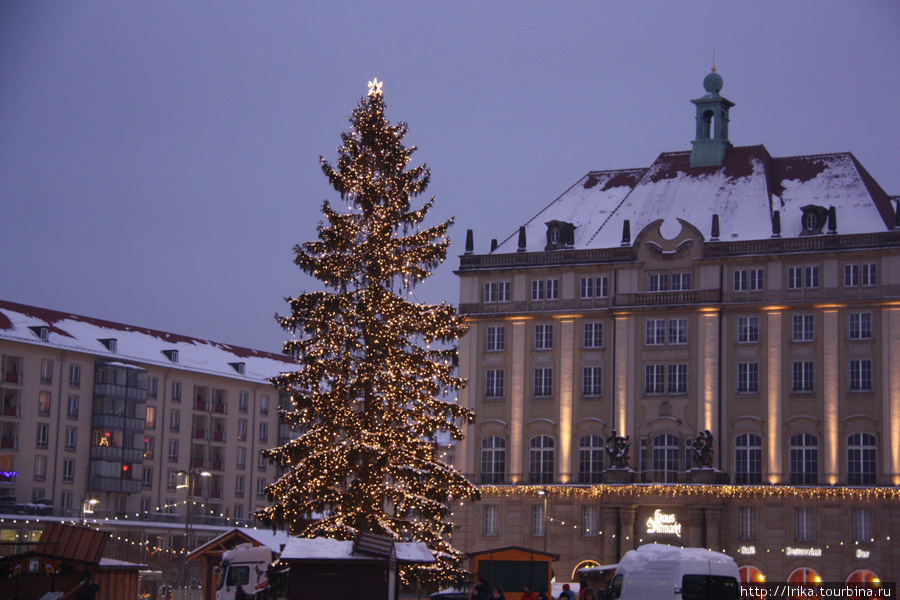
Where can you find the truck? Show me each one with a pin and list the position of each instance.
(660, 572)
(247, 566)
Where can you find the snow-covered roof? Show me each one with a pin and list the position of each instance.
(744, 191)
(648, 553)
(327, 549)
(139, 344)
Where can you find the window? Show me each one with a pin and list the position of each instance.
(590, 459)
(593, 381)
(146, 503)
(677, 332)
(264, 405)
(748, 378)
(44, 404)
(176, 391)
(804, 459)
(860, 275)
(665, 458)
(658, 282)
(589, 521)
(538, 520)
(677, 378)
(862, 525)
(688, 453)
(748, 459)
(149, 445)
(540, 459)
(491, 525)
(239, 486)
(261, 488)
(71, 437)
(152, 387)
(861, 459)
(861, 375)
(494, 383)
(173, 450)
(72, 407)
(543, 382)
(261, 462)
(496, 291)
(861, 326)
(241, 455)
(802, 328)
(175, 420)
(74, 376)
(803, 524)
(747, 522)
(594, 287)
(748, 330)
(803, 277)
(242, 430)
(495, 338)
(239, 509)
(654, 379)
(543, 337)
(745, 280)
(150, 417)
(147, 477)
(680, 281)
(545, 290)
(593, 335)
(40, 468)
(802, 376)
(46, 371)
(171, 481)
(263, 432)
(43, 434)
(243, 401)
(655, 332)
(493, 459)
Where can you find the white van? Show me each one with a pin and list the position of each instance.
(659, 572)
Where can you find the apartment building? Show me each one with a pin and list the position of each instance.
(704, 352)
(109, 421)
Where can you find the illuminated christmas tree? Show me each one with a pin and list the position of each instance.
(375, 367)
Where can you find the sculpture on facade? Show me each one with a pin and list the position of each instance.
(617, 450)
(703, 449)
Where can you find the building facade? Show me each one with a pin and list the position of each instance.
(111, 423)
(704, 353)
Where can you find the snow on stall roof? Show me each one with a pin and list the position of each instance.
(745, 191)
(328, 549)
(83, 334)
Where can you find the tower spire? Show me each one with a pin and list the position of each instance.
(711, 140)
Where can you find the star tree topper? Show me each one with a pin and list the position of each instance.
(375, 87)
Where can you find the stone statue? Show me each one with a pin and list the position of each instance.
(617, 450)
(703, 449)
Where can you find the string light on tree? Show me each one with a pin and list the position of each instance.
(374, 366)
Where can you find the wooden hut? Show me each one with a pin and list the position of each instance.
(512, 568)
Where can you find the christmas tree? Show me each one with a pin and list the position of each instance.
(375, 367)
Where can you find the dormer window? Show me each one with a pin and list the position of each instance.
(238, 366)
(814, 219)
(172, 355)
(560, 235)
(42, 331)
(110, 344)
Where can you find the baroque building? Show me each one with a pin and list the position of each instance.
(703, 352)
(154, 435)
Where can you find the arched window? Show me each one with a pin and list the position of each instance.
(751, 575)
(493, 459)
(540, 459)
(748, 459)
(863, 576)
(804, 575)
(590, 459)
(665, 458)
(804, 459)
(861, 459)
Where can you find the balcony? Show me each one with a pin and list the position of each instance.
(114, 484)
(221, 409)
(118, 423)
(199, 434)
(217, 465)
(113, 390)
(10, 411)
(117, 454)
(200, 404)
(12, 378)
(215, 494)
(669, 298)
(8, 443)
(217, 436)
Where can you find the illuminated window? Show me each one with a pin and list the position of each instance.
(804, 575)
(863, 576)
(751, 575)
(44, 404)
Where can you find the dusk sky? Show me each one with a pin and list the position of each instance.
(159, 160)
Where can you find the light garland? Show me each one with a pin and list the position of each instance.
(675, 490)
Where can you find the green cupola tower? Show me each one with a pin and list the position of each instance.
(711, 140)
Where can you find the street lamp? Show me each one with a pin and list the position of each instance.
(87, 507)
(544, 516)
(189, 484)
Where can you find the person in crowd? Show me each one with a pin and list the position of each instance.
(528, 594)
